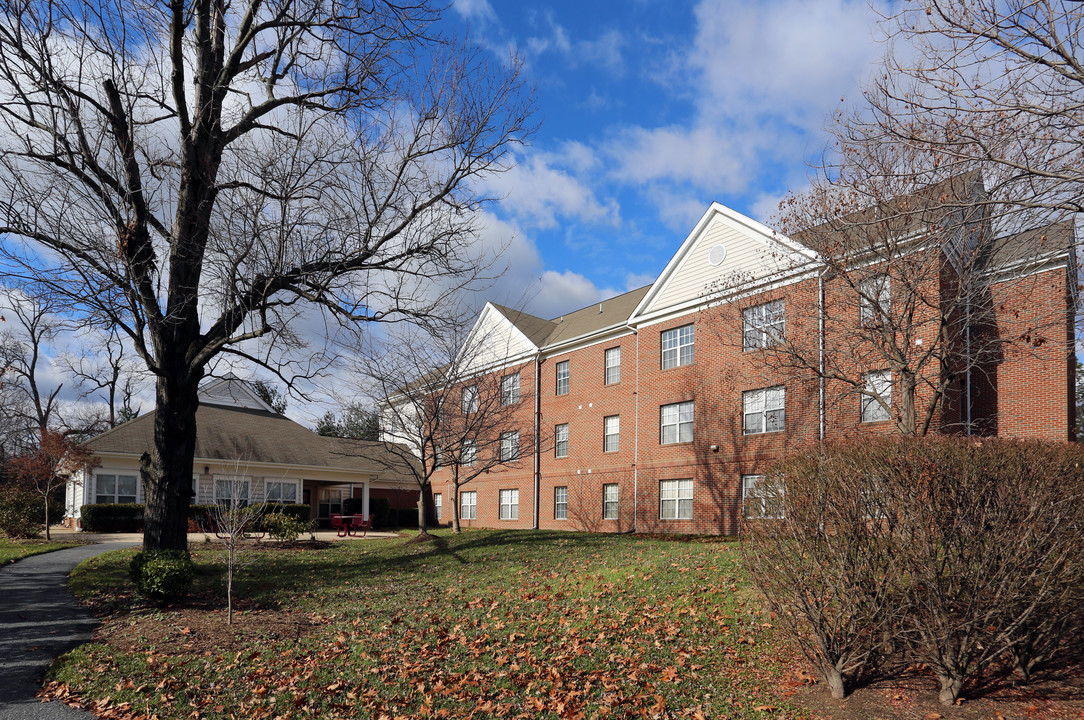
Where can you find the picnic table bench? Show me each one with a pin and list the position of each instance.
(350, 524)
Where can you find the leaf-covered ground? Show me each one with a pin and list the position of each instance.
(12, 550)
(486, 624)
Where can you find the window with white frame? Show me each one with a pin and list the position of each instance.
(610, 494)
(510, 389)
(613, 366)
(509, 504)
(195, 489)
(764, 410)
(874, 299)
(438, 410)
(676, 423)
(611, 433)
(878, 385)
(564, 373)
(113, 488)
(468, 505)
(763, 325)
(469, 455)
(231, 491)
(470, 399)
(280, 491)
(761, 499)
(560, 441)
(438, 505)
(560, 503)
(677, 347)
(510, 446)
(676, 499)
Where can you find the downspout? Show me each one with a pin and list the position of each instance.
(537, 436)
(636, 437)
(820, 349)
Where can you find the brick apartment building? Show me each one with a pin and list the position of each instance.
(656, 410)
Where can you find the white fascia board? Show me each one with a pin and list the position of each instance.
(612, 332)
(1031, 266)
(770, 236)
(779, 280)
(248, 463)
(487, 311)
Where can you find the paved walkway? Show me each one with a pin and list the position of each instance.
(41, 620)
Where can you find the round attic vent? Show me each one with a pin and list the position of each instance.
(716, 255)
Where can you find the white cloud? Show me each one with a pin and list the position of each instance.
(475, 10)
(638, 280)
(541, 190)
(605, 51)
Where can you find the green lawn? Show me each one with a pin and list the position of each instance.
(486, 624)
(12, 550)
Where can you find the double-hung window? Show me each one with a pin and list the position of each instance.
(560, 503)
(468, 505)
(231, 491)
(509, 504)
(510, 446)
(510, 389)
(762, 325)
(764, 410)
(613, 366)
(610, 494)
(470, 399)
(469, 453)
(280, 491)
(109, 488)
(563, 376)
(878, 385)
(438, 505)
(676, 499)
(676, 423)
(560, 440)
(677, 347)
(761, 499)
(874, 300)
(611, 433)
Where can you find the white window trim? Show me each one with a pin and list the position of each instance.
(469, 401)
(615, 502)
(468, 456)
(682, 489)
(565, 365)
(758, 399)
(116, 475)
(678, 407)
(508, 498)
(510, 389)
(607, 366)
(755, 504)
(438, 505)
(560, 444)
(468, 510)
(562, 505)
(871, 411)
(510, 441)
(283, 482)
(874, 299)
(675, 336)
(767, 322)
(616, 434)
(247, 480)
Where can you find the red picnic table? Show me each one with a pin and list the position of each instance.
(350, 524)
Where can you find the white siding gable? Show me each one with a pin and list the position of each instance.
(494, 342)
(753, 255)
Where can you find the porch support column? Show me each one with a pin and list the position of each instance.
(365, 500)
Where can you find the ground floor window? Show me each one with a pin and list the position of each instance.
(509, 504)
(109, 488)
(560, 503)
(609, 501)
(331, 501)
(468, 505)
(231, 491)
(676, 499)
(762, 500)
(280, 491)
(438, 505)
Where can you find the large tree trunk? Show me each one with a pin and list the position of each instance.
(455, 507)
(166, 471)
(423, 525)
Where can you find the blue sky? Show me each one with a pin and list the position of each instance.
(649, 112)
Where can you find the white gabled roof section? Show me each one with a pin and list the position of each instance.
(754, 254)
(494, 341)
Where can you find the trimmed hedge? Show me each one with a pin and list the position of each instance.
(22, 514)
(163, 575)
(112, 517)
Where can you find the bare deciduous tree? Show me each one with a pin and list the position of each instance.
(443, 407)
(106, 371)
(198, 173)
(235, 515)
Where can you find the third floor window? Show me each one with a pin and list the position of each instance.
(613, 366)
(510, 389)
(563, 375)
(677, 347)
(762, 325)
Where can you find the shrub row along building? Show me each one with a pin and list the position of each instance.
(657, 410)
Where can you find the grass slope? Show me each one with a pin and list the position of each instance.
(12, 550)
(486, 624)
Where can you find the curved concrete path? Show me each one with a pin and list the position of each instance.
(40, 620)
